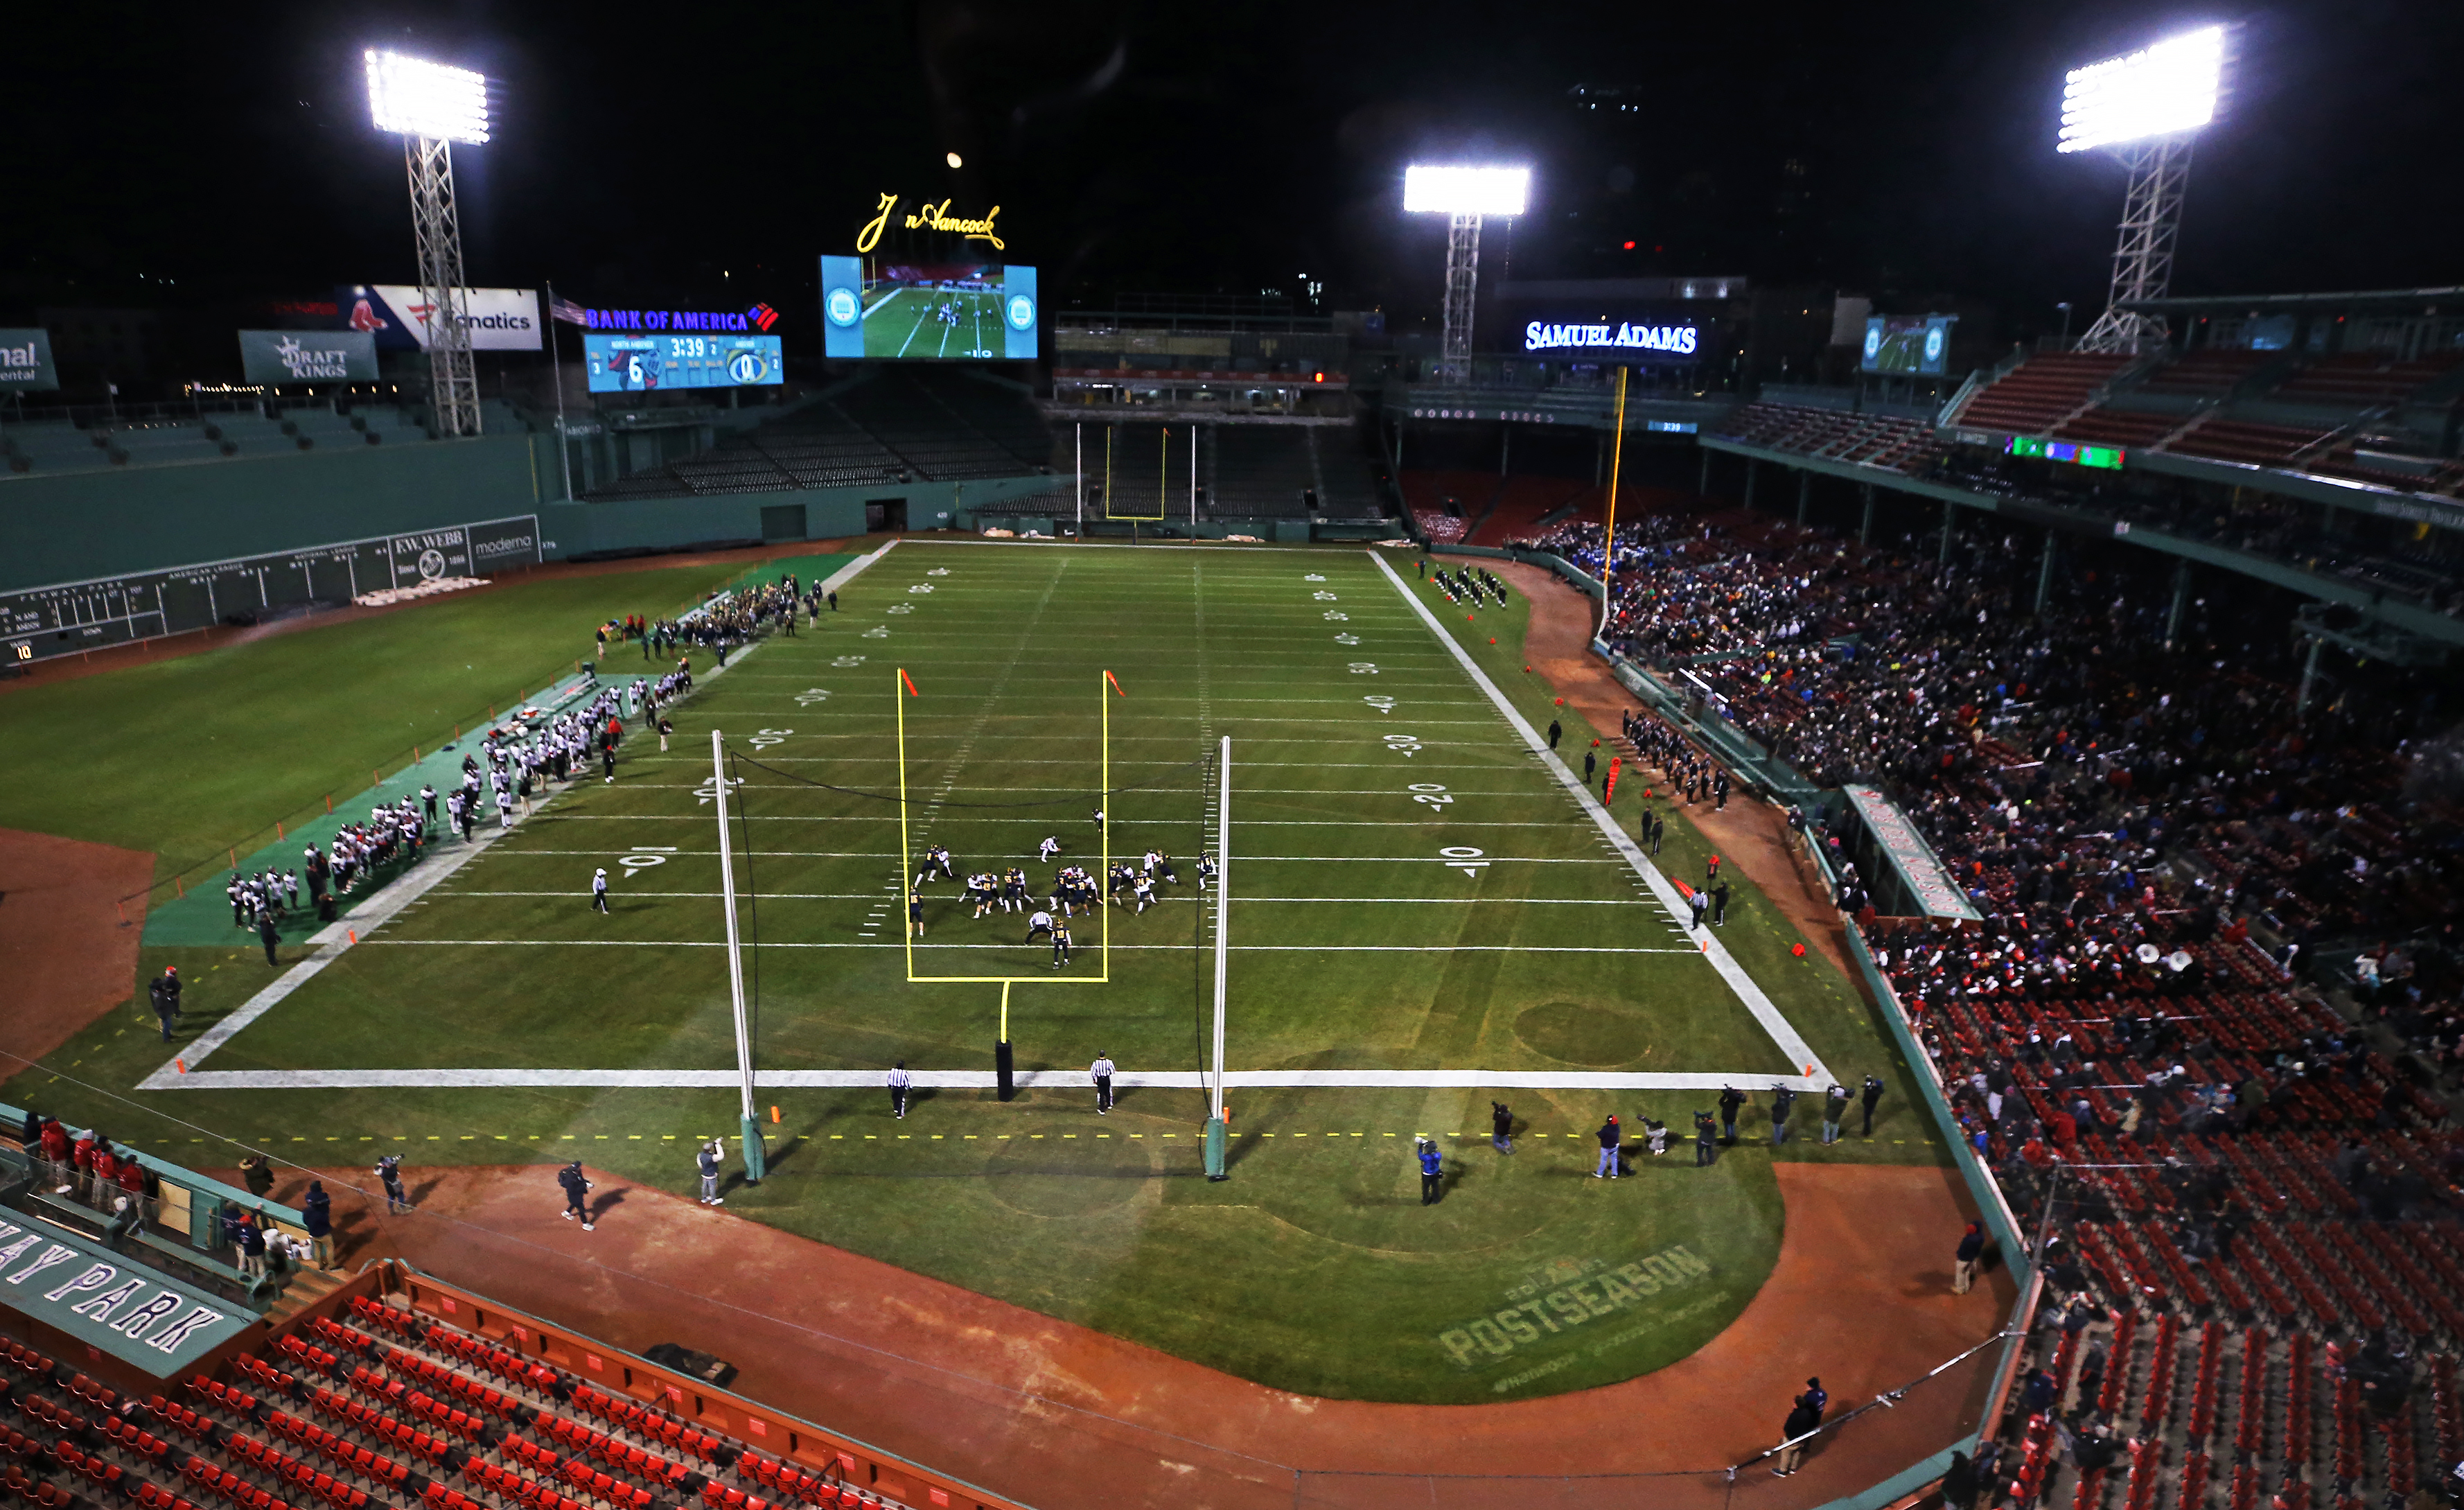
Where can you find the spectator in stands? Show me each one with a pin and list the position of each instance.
(1959, 1483)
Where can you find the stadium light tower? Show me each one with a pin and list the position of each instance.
(2147, 108)
(431, 107)
(1463, 195)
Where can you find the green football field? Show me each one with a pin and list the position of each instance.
(1427, 913)
(906, 323)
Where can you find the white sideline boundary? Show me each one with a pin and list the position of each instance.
(1764, 1010)
(333, 941)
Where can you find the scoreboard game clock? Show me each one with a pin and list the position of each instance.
(645, 364)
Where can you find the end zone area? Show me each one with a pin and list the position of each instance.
(1428, 911)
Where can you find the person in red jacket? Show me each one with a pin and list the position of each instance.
(81, 1165)
(106, 1173)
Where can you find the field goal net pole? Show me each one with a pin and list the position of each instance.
(1079, 436)
(1218, 1132)
(754, 1154)
(1608, 536)
(1193, 481)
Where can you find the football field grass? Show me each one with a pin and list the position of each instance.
(1426, 913)
(904, 322)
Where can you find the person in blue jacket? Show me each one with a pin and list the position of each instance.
(1433, 1172)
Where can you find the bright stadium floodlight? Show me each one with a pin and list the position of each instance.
(412, 97)
(1465, 190)
(2156, 91)
(431, 107)
(2147, 108)
(1462, 193)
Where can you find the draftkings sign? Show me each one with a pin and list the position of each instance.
(279, 357)
(135, 1314)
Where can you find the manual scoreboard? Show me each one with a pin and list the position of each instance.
(38, 623)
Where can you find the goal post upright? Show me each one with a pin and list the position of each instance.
(1218, 1131)
(755, 1155)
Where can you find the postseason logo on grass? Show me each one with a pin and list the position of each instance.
(1565, 1299)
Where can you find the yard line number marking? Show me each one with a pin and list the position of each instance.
(644, 857)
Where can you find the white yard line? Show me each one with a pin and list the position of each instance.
(1818, 1075)
(1343, 901)
(964, 1080)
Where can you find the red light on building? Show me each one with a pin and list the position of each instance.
(1629, 246)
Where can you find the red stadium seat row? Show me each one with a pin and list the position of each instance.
(230, 1485)
(294, 1346)
(306, 1475)
(532, 1493)
(351, 1455)
(485, 1396)
(132, 1439)
(394, 1318)
(239, 1402)
(16, 1480)
(100, 1472)
(812, 1491)
(787, 1479)
(17, 1444)
(25, 1357)
(265, 1373)
(483, 1354)
(377, 1424)
(658, 1423)
(340, 1336)
(603, 1485)
(151, 1497)
(2251, 1419)
(52, 1413)
(646, 1466)
(185, 1419)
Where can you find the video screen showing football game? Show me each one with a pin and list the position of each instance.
(947, 311)
(1915, 343)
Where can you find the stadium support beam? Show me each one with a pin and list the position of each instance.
(1752, 467)
(2181, 600)
(2143, 251)
(1949, 514)
(1703, 488)
(1866, 526)
(1462, 287)
(2045, 572)
(436, 227)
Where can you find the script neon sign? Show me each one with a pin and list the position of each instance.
(931, 218)
(1540, 336)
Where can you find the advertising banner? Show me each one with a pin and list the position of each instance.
(396, 314)
(26, 362)
(281, 357)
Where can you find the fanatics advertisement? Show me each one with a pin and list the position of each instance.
(396, 315)
(278, 358)
(26, 362)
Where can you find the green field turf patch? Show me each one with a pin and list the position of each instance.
(185, 756)
(1413, 891)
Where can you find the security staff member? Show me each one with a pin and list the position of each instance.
(165, 992)
(266, 931)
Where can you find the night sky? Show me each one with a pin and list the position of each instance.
(679, 153)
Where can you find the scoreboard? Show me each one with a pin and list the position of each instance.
(646, 364)
(40, 623)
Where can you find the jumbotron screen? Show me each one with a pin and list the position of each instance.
(1917, 344)
(933, 311)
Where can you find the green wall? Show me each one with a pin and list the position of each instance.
(82, 527)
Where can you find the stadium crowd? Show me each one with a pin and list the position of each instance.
(2209, 1009)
